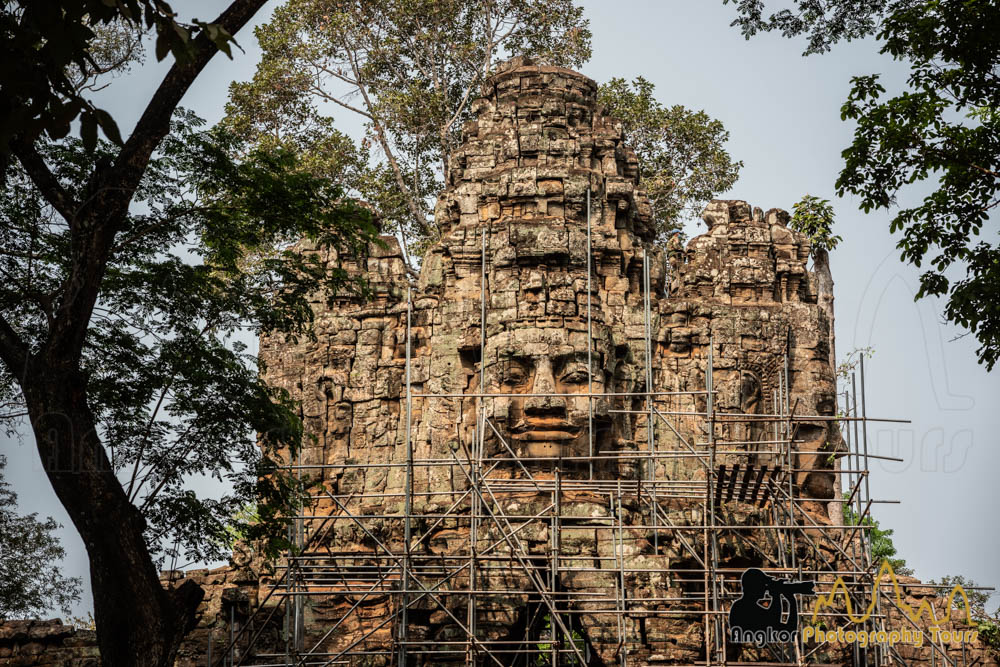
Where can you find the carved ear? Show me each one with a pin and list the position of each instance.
(622, 356)
(750, 389)
(826, 403)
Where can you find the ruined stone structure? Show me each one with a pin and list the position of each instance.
(555, 446)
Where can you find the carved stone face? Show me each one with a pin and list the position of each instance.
(549, 367)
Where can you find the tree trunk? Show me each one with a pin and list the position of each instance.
(138, 621)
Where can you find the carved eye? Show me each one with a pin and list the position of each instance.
(574, 376)
(514, 374)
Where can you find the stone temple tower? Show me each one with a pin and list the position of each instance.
(552, 444)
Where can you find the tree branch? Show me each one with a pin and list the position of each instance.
(13, 351)
(191, 442)
(418, 217)
(154, 123)
(44, 180)
(152, 420)
(111, 188)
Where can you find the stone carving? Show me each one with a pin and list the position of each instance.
(518, 186)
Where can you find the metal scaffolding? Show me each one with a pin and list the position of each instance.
(505, 498)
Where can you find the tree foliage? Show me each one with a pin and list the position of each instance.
(977, 599)
(940, 133)
(682, 160)
(814, 217)
(210, 256)
(824, 23)
(944, 128)
(882, 547)
(987, 623)
(31, 581)
(127, 272)
(70, 40)
(409, 69)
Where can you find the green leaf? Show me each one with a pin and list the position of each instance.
(163, 45)
(422, 69)
(109, 126)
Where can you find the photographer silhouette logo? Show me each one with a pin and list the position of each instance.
(767, 612)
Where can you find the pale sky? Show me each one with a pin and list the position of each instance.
(783, 114)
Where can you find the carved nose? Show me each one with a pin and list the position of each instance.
(544, 383)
